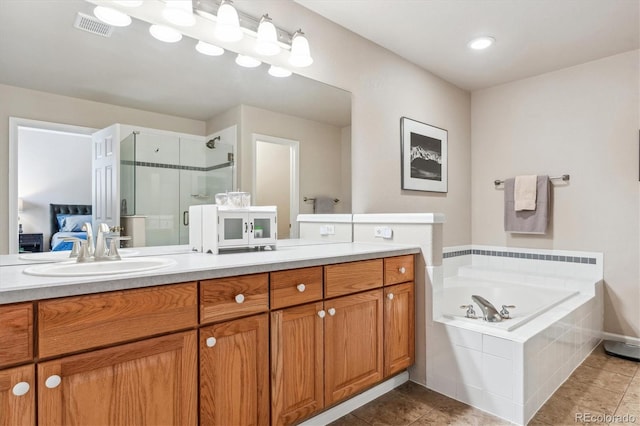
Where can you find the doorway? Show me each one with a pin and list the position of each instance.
(276, 179)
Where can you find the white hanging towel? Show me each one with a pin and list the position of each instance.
(524, 192)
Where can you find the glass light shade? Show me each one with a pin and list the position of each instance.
(111, 16)
(279, 72)
(267, 42)
(300, 53)
(481, 43)
(228, 23)
(247, 61)
(129, 3)
(164, 33)
(209, 49)
(179, 12)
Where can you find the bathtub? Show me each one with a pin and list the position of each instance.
(529, 301)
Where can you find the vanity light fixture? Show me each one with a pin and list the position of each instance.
(179, 12)
(247, 61)
(111, 16)
(279, 71)
(267, 40)
(164, 33)
(209, 49)
(300, 53)
(129, 3)
(228, 23)
(481, 43)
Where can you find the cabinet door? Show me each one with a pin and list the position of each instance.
(16, 333)
(353, 344)
(296, 363)
(234, 372)
(149, 382)
(398, 328)
(233, 228)
(263, 228)
(17, 396)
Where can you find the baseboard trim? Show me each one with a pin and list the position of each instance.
(357, 401)
(621, 338)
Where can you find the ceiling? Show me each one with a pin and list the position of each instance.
(532, 36)
(40, 49)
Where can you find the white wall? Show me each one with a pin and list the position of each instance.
(582, 121)
(52, 168)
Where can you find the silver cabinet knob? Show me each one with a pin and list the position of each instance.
(321, 314)
(211, 342)
(21, 388)
(53, 381)
(240, 298)
(332, 311)
(301, 287)
(390, 296)
(402, 270)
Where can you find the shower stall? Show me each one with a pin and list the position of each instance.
(162, 174)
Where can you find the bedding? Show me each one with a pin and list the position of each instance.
(66, 220)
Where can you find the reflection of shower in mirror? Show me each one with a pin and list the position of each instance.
(211, 143)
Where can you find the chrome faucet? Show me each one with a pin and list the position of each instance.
(489, 312)
(85, 251)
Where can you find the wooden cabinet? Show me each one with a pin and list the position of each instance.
(16, 334)
(346, 278)
(295, 287)
(153, 381)
(352, 344)
(17, 396)
(76, 323)
(234, 372)
(398, 269)
(226, 298)
(399, 335)
(297, 363)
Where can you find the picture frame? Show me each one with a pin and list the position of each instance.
(424, 156)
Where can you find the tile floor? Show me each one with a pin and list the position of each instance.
(601, 385)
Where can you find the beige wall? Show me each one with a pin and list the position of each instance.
(273, 179)
(34, 105)
(582, 121)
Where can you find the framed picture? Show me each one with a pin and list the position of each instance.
(424, 156)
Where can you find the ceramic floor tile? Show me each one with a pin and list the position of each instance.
(349, 420)
(605, 379)
(606, 362)
(595, 398)
(467, 417)
(391, 408)
(630, 405)
(426, 396)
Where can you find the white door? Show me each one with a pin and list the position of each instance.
(105, 180)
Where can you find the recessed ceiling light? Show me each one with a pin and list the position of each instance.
(481, 43)
(164, 33)
(111, 16)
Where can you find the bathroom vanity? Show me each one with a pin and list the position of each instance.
(254, 338)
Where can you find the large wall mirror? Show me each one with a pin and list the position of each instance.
(41, 49)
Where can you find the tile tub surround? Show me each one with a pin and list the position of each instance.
(512, 374)
(15, 286)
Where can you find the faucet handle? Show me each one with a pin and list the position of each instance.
(470, 312)
(113, 247)
(116, 228)
(77, 246)
(504, 313)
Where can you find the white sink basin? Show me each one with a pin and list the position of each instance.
(124, 266)
(60, 256)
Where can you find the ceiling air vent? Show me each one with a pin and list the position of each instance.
(92, 25)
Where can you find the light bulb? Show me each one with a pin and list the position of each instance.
(300, 54)
(164, 33)
(228, 23)
(111, 16)
(481, 43)
(267, 42)
(209, 49)
(247, 61)
(279, 71)
(179, 12)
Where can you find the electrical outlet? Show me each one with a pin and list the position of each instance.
(382, 232)
(331, 229)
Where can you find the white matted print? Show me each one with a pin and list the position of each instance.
(424, 156)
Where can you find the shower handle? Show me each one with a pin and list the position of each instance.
(185, 218)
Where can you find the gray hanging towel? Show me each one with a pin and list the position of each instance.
(528, 221)
(322, 205)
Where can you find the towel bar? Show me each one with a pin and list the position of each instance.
(306, 199)
(564, 178)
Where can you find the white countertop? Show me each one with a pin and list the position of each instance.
(16, 286)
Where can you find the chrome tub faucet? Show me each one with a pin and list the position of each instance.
(489, 312)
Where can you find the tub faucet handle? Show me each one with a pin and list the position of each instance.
(470, 312)
(504, 313)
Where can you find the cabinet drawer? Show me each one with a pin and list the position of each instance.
(77, 323)
(398, 269)
(16, 333)
(295, 287)
(226, 298)
(352, 277)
